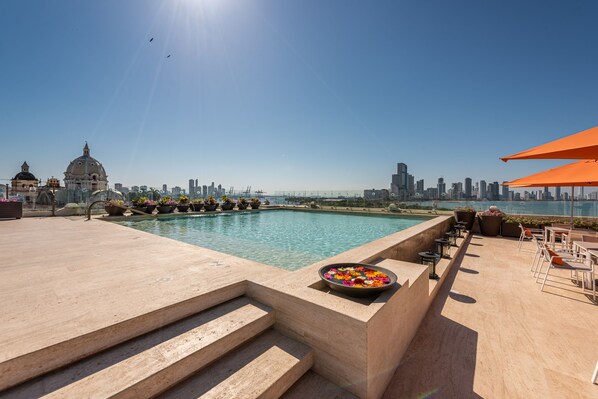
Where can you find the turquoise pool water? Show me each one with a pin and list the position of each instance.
(282, 238)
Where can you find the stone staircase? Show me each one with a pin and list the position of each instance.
(229, 350)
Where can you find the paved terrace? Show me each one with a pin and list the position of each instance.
(490, 332)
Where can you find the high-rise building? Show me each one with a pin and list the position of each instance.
(164, 188)
(204, 191)
(495, 191)
(505, 192)
(118, 187)
(191, 188)
(557, 193)
(483, 190)
(176, 191)
(399, 185)
(419, 187)
(410, 185)
(441, 186)
(468, 187)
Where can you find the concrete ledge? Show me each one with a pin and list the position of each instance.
(358, 343)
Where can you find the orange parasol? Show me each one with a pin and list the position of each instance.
(580, 173)
(582, 145)
(576, 174)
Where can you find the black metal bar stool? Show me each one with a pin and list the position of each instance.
(430, 259)
(452, 237)
(441, 244)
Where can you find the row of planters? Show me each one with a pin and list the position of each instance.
(493, 222)
(168, 205)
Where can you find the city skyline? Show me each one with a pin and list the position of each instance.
(293, 95)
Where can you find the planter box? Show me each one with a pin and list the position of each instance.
(465, 216)
(510, 229)
(196, 207)
(182, 208)
(255, 206)
(210, 208)
(114, 210)
(11, 210)
(227, 206)
(490, 225)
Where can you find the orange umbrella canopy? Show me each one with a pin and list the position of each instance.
(582, 145)
(580, 173)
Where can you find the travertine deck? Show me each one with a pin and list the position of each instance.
(65, 277)
(491, 333)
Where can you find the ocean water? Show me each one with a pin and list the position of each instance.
(286, 239)
(556, 208)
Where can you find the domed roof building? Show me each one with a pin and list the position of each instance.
(24, 183)
(85, 174)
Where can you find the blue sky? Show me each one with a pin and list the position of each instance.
(293, 95)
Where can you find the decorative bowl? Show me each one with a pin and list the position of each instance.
(349, 287)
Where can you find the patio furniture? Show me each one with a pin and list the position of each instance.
(441, 243)
(430, 259)
(527, 234)
(544, 250)
(583, 265)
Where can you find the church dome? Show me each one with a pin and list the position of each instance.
(86, 168)
(24, 174)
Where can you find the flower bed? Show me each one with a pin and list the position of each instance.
(357, 279)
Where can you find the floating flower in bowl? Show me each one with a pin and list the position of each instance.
(357, 279)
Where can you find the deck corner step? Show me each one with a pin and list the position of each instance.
(263, 368)
(204, 338)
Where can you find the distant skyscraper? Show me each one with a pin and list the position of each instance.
(191, 188)
(441, 186)
(419, 186)
(399, 185)
(468, 187)
(505, 192)
(495, 191)
(557, 193)
(164, 188)
(410, 185)
(483, 189)
(204, 191)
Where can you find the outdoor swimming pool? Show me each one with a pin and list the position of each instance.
(282, 238)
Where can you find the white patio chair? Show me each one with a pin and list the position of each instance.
(574, 264)
(527, 234)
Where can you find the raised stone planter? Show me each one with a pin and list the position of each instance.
(11, 210)
(490, 225)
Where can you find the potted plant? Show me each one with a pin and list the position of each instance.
(115, 207)
(139, 205)
(183, 204)
(242, 203)
(210, 204)
(150, 205)
(166, 204)
(466, 215)
(490, 221)
(255, 203)
(196, 204)
(10, 208)
(227, 203)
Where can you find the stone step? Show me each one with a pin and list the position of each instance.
(313, 385)
(72, 342)
(152, 363)
(264, 368)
